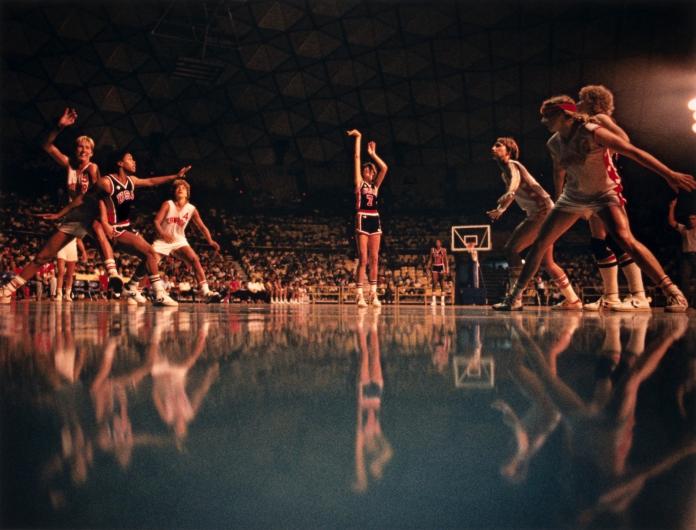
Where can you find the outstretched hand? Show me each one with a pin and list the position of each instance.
(47, 216)
(68, 118)
(371, 148)
(354, 132)
(215, 245)
(681, 181)
(182, 172)
(494, 214)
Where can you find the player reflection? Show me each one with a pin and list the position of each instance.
(372, 449)
(542, 417)
(441, 341)
(176, 404)
(601, 430)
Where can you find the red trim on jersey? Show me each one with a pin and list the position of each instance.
(570, 107)
(613, 175)
(371, 212)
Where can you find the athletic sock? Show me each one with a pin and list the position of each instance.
(11, 287)
(565, 287)
(110, 265)
(609, 271)
(634, 276)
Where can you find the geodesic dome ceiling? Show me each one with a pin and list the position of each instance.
(277, 83)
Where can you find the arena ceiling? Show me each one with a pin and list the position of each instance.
(277, 83)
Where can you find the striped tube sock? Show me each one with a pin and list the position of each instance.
(157, 285)
(110, 265)
(634, 276)
(566, 289)
(11, 287)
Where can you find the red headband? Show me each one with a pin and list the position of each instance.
(569, 107)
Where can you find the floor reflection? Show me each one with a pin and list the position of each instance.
(318, 409)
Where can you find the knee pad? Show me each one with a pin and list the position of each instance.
(601, 251)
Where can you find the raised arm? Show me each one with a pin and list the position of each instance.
(671, 218)
(156, 181)
(381, 165)
(196, 218)
(357, 176)
(68, 118)
(675, 179)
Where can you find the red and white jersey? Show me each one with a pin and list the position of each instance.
(78, 180)
(176, 219)
(438, 256)
(529, 196)
(590, 171)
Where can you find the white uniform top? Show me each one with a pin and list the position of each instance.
(529, 196)
(78, 180)
(590, 171)
(688, 238)
(176, 220)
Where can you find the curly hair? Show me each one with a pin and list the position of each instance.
(511, 145)
(598, 99)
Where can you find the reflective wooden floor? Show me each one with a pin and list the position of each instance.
(329, 416)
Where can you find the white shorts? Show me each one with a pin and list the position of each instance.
(68, 252)
(586, 207)
(164, 248)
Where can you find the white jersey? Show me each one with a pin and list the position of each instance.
(176, 220)
(590, 171)
(77, 180)
(529, 196)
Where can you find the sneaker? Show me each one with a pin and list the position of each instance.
(508, 305)
(361, 301)
(68, 298)
(59, 297)
(442, 301)
(115, 284)
(633, 303)
(375, 301)
(566, 305)
(133, 294)
(212, 297)
(166, 300)
(433, 303)
(601, 303)
(676, 303)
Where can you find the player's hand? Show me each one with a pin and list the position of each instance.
(109, 230)
(371, 148)
(681, 181)
(83, 257)
(68, 118)
(354, 132)
(494, 214)
(48, 216)
(182, 172)
(215, 245)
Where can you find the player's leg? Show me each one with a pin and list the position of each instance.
(616, 222)
(136, 244)
(57, 241)
(373, 243)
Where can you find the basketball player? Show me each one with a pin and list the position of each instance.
(119, 195)
(170, 224)
(82, 173)
(598, 102)
(439, 268)
(368, 230)
(583, 149)
(523, 189)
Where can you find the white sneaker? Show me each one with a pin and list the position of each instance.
(361, 301)
(59, 297)
(601, 303)
(166, 300)
(676, 303)
(442, 301)
(433, 303)
(133, 294)
(633, 303)
(375, 301)
(68, 297)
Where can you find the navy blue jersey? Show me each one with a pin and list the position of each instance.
(119, 201)
(366, 198)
